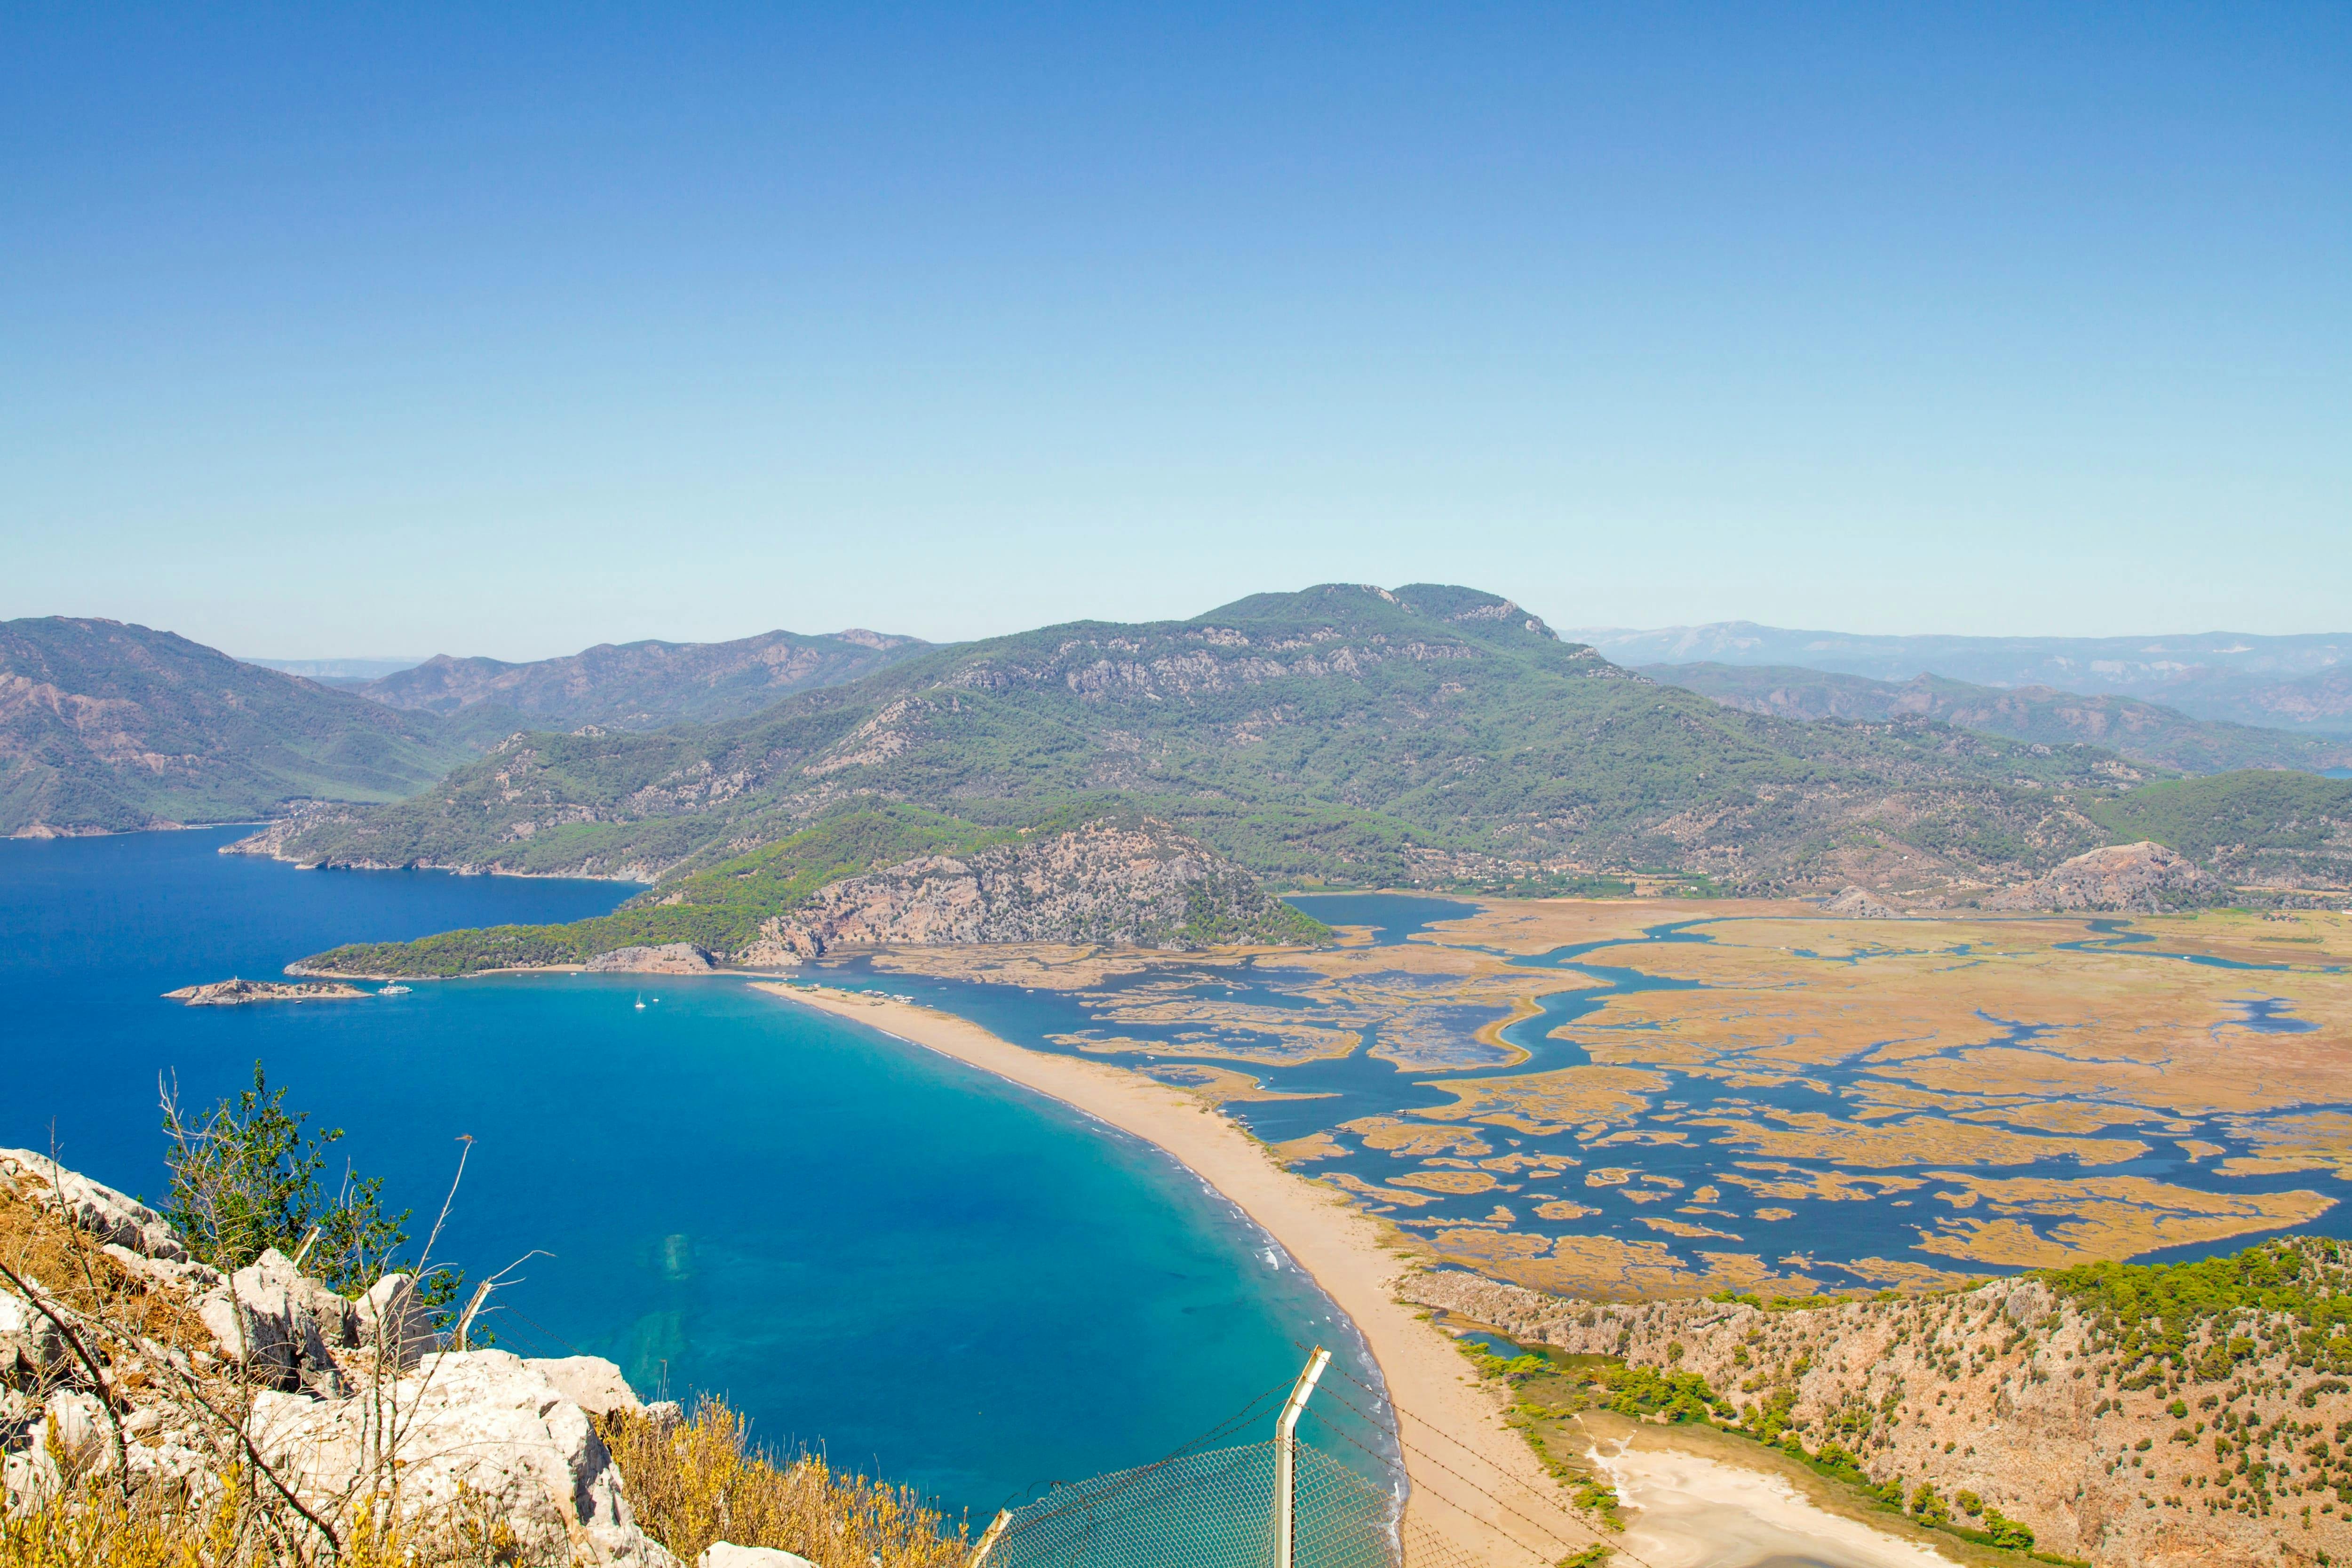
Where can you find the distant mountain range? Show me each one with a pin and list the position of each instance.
(340, 671)
(2143, 731)
(1428, 735)
(647, 684)
(2301, 684)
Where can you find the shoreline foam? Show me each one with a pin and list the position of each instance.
(1475, 1483)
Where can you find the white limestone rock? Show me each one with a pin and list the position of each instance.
(485, 1420)
(32, 1351)
(280, 1325)
(590, 1382)
(390, 1321)
(95, 1208)
(722, 1555)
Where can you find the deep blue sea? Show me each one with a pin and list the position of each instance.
(936, 1275)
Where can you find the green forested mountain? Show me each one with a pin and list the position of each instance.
(1342, 734)
(644, 685)
(2142, 731)
(108, 727)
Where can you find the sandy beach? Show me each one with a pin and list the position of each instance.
(1686, 1509)
(1477, 1486)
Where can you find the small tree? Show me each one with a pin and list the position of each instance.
(245, 1179)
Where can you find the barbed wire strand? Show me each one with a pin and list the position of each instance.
(1397, 1432)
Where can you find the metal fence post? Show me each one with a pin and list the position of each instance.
(987, 1540)
(466, 1318)
(1285, 1456)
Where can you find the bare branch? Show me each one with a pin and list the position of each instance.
(89, 1363)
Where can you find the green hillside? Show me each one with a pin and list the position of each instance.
(2257, 828)
(2142, 731)
(723, 910)
(106, 727)
(1341, 735)
(718, 910)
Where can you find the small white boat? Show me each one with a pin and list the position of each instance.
(641, 1003)
(395, 989)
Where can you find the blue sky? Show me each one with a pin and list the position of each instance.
(506, 331)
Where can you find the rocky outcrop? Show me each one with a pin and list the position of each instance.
(238, 992)
(115, 1219)
(722, 1555)
(1144, 885)
(391, 1320)
(285, 1330)
(669, 958)
(1856, 903)
(484, 1421)
(346, 1398)
(2144, 876)
(590, 1382)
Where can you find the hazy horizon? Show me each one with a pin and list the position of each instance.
(409, 660)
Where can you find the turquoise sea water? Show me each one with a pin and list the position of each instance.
(936, 1276)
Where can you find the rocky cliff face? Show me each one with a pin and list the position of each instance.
(1144, 885)
(2015, 1395)
(669, 958)
(2142, 876)
(342, 1399)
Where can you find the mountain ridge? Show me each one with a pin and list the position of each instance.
(2301, 682)
(1343, 734)
(2143, 731)
(646, 684)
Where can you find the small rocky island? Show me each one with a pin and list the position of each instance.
(234, 993)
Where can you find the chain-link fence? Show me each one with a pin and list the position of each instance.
(1216, 1510)
(1280, 1503)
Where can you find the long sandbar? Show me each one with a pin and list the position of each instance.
(1476, 1484)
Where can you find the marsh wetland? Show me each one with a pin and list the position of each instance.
(1640, 1096)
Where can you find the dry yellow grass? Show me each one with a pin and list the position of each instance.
(93, 1525)
(697, 1482)
(71, 1265)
